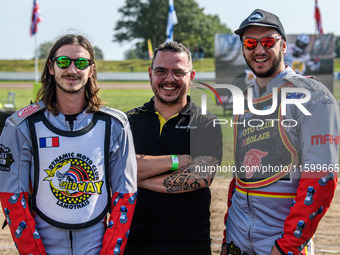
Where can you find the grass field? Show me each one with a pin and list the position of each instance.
(135, 65)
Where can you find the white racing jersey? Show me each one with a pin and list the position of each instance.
(71, 184)
(57, 185)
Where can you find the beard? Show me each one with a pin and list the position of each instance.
(271, 71)
(167, 102)
(71, 91)
(171, 100)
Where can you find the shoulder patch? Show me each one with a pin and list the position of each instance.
(25, 112)
(311, 83)
(121, 116)
(6, 158)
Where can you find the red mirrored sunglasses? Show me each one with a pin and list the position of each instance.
(267, 42)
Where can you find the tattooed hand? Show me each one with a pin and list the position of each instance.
(192, 177)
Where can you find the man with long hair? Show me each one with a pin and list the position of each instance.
(61, 159)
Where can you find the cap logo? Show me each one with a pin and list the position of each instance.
(256, 16)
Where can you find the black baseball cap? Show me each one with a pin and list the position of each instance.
(263, 19)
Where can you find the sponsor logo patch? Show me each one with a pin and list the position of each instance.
(6, 158)
(252, 161)
(28, 110)
(323, 139)
(256, 16)
(73, 180)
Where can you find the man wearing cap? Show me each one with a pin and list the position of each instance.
(276, 199)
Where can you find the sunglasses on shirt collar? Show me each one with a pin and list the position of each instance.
(64, 62)
(267, 42)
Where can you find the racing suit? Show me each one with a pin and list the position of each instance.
(56, 184)
(283, 205)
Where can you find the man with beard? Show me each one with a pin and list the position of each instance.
(175, 145)
(277, 211)
(67, 161)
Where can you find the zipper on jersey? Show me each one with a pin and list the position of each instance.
(71, 239)
(248, 199)
(249, 230)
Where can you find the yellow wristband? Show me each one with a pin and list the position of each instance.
(175, 161)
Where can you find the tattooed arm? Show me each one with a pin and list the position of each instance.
(199, 174)
(149, 166)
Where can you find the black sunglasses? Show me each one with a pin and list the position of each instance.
(64, 62)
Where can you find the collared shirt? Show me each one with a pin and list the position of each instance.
(185, 216)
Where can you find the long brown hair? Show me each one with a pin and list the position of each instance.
(47, 92)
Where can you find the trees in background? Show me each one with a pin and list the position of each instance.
(148, 19)
(98, 53)
(44, 50)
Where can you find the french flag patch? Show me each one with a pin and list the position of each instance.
(48, 142)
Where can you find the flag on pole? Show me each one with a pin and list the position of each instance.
(317, 16)
(172, 20)
(150, 49)
(36, 18)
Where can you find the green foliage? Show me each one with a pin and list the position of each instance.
(136, 65)
(98, 53)
(148, 19)
(44, 50)
(337, 65)
(19, 65)
(131, 65)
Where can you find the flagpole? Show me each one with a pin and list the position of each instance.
(36, 58)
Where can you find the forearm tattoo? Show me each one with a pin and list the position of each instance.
(197, 175)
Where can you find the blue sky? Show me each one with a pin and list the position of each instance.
(96, 19)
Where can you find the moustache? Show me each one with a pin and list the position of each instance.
(262, 55)
(70, 76)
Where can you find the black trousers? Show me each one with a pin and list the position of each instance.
(166, 248)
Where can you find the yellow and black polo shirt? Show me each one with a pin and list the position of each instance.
(183, 217)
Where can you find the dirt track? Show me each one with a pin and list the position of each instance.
(327, 235)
